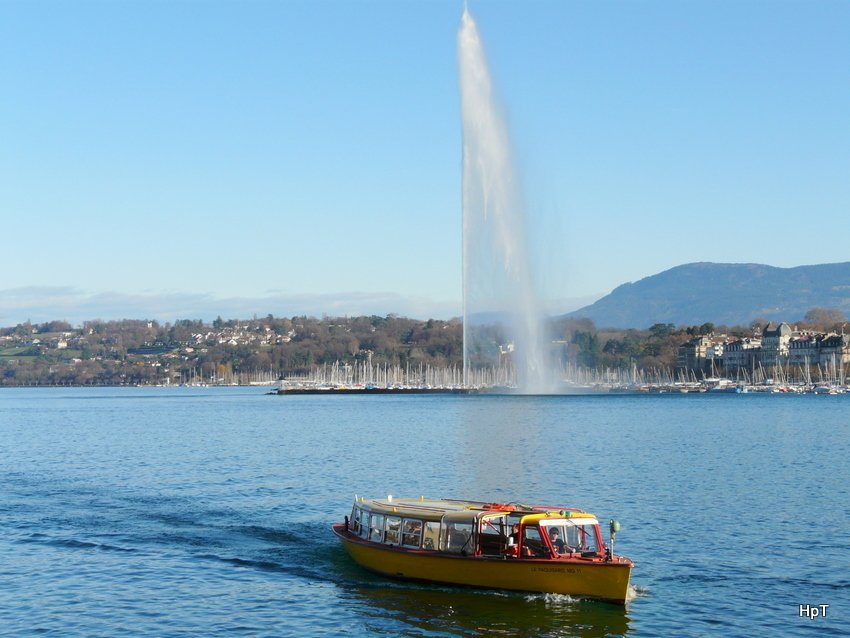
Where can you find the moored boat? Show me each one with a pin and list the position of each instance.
(495, 545)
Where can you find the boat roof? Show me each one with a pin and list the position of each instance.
(455, 509)
(578, 518)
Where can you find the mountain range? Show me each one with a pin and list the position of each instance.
(723, 294)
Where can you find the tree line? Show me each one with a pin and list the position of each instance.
(145, 352)
(130, 352)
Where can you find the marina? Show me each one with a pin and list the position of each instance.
(363, 379)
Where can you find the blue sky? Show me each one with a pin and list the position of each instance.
(193, 159)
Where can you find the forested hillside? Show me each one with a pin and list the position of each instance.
(723, 294)
(130, 352)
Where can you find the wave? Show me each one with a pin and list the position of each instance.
(636, 590)
(73, 543)
(552, 600)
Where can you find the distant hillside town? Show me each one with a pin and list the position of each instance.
(779, 350)
(232, 352)
(396, 350)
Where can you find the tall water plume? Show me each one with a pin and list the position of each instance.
(501, 314)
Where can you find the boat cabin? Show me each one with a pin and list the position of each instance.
(477, 529)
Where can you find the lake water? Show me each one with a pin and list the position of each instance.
(206, 511)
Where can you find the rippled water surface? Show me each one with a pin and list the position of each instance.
(189, 512)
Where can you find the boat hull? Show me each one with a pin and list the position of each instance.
(575, 577)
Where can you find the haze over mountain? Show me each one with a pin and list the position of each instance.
(730, 294)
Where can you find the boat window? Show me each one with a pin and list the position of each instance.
(559, 538)
(457, 538)
(532, 544)
(411, 532)
(393, 527)
(577, 537)
(493, 535)
(355, 520)
(431, 535)
(363, 532)
(586, 538)
(572, 536)
(376, 527)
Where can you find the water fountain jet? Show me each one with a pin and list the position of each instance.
(501, 311)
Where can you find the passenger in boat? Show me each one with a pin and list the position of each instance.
(555, 536)
(513, 538)
(512, 544)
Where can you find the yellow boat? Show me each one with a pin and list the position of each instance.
(495, 545)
